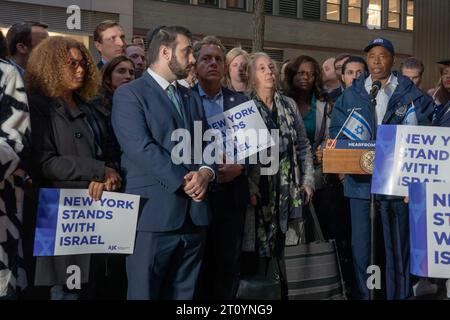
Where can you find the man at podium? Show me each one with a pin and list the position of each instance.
(380, 97)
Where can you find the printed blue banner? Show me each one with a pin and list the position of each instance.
(409, 154)
(429, 210)
(70, 222)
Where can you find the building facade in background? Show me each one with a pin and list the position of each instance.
(432, 36)
(320, 28)
(54, 13)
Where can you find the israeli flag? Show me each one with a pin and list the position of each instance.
(357, 128)
(411, 117)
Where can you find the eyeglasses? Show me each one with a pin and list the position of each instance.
(74, 63)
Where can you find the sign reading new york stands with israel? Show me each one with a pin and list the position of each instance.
(410, 154)
(429, 208)
(70, 222)
(244, 132)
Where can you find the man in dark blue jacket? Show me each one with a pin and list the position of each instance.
(396, 96)
(228, 198)
(174, 213)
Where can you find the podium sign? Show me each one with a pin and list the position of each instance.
(348, 157)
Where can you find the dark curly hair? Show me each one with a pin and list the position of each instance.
(291, 72)
(47, 63)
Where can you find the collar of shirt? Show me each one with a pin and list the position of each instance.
(211, 106)
(217, 99)
(388, 88)
(163, 83)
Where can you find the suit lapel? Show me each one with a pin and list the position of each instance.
(161, 96)
(229, 101)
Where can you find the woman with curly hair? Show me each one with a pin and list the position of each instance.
(69, 142)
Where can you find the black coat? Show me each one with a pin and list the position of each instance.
(64, 155)
(64, 151)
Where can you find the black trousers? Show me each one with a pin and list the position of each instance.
(219, 276)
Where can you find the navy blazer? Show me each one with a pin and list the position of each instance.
(239, 185)
(144, 119)
(358, 186)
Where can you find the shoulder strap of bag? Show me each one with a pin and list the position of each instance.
(317, 228)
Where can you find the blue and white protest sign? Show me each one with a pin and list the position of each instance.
(70, 222)
(243, 130)
(429, 209)
(410, 154)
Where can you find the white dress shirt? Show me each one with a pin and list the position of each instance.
(384, 95)
(163, 83)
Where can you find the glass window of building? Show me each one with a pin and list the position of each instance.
(311, 9)
(394, 14)
(410, 15)
(354, 11)
(268, 6)
(374, 14)
(334, 10)
(287, 8)
(214, 3)
(236, 4)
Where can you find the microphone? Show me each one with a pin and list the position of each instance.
(376, 86)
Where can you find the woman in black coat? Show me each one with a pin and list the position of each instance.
(70, 140)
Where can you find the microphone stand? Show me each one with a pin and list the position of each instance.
(373, 209)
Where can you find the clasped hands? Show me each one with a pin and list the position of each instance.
(195, 183)
(112, 182)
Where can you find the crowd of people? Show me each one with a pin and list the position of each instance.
(68, 122)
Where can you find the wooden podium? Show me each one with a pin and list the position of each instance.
(348, 156)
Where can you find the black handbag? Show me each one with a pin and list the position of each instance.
(267, 284)
(313, 270)
(262, 287)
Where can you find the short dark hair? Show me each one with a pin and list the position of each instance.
(209, 40)
(150, 35)
(102, 26)
(357, 60)
(21, 33)
(413, 63)
(166, 36)
(3, 46)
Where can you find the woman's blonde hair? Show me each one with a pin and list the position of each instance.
(48, 62)
(251, 68)
(231, 55)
